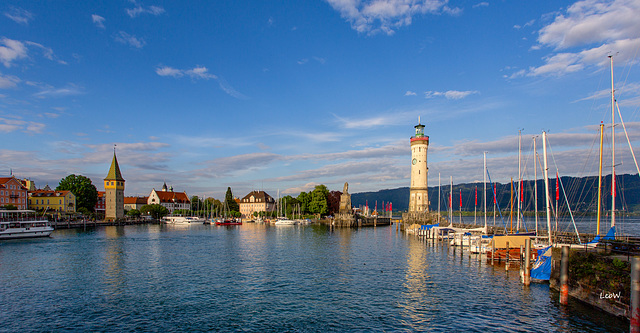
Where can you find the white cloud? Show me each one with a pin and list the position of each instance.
(47, 52)
(98, 21)
(69, 90)
(481, 4)
(19, 15)
(130, 40)
(451, 94)
(8, 81)
(30, 127)
(372, 16)
(595, 28)
(139, 9)
(200, 72)
(410, 93)
(11, 50)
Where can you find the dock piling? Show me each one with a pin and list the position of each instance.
(527, 262)
(564, 276)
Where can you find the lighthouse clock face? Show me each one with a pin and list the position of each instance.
(414, 161)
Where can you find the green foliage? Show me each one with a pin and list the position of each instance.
(304, 199)
(196, 203)
(81, 186)
(156, 211)
(182, 212)
(10, 207)
(318, 204)
(229, 203)
(133, 213)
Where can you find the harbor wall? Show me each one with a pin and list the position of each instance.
(596, 278)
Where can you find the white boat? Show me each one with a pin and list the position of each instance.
(23, 224)
(181, 219)
(285, 221)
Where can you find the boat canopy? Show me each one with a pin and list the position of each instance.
(500, 242)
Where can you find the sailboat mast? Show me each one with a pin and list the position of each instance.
(613, 150)
(519, 178)
(439, 186)
(451, 200)
(535, 181)
(600, 180)
(484, 181)
(546, 183)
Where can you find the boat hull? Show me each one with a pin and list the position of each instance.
(17, 233)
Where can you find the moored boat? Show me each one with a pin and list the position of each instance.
(23, 224)
(285, 221)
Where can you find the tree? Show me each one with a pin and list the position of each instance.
(10, 207)
(133, 213)
(196, 203)
(81, 186)
(334, 202)
(304, 198)
(318, 204)
(156, 211)
(229, 202)
(291, 204)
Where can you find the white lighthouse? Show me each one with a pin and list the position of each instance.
(418, 192)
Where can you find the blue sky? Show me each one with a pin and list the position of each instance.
(285, 95)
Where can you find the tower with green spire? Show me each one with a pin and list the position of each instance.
(114, 192)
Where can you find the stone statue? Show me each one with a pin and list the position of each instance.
(345, 200)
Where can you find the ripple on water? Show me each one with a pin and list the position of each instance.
(261, 278)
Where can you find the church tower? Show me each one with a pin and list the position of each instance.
(114, 192)
(418, 192)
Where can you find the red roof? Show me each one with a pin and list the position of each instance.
(135, 200)
(179, 197)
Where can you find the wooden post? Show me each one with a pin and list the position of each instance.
(635, 295)
(507, 253)
(564, 276)
(493, 250)
(527, 262)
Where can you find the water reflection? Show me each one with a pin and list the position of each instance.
(115, 260)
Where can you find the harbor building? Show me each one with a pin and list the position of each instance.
(13, 192)
(114, 192)
(169, 199)
(256, 201)
(134, 202)
(52, 201)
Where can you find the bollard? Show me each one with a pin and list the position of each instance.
(564, 276)
(527, 262)
(635, 296)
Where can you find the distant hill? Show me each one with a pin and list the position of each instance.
(581, 193)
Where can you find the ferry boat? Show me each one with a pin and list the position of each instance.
(23, 224)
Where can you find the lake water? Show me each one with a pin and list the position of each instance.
(268, 278)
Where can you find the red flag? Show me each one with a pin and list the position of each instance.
(390, 207)
(494, 194)
(476, 195)
(521, 191)
(450, 195)
(613, 185)
(557, 187)
(460, 198)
